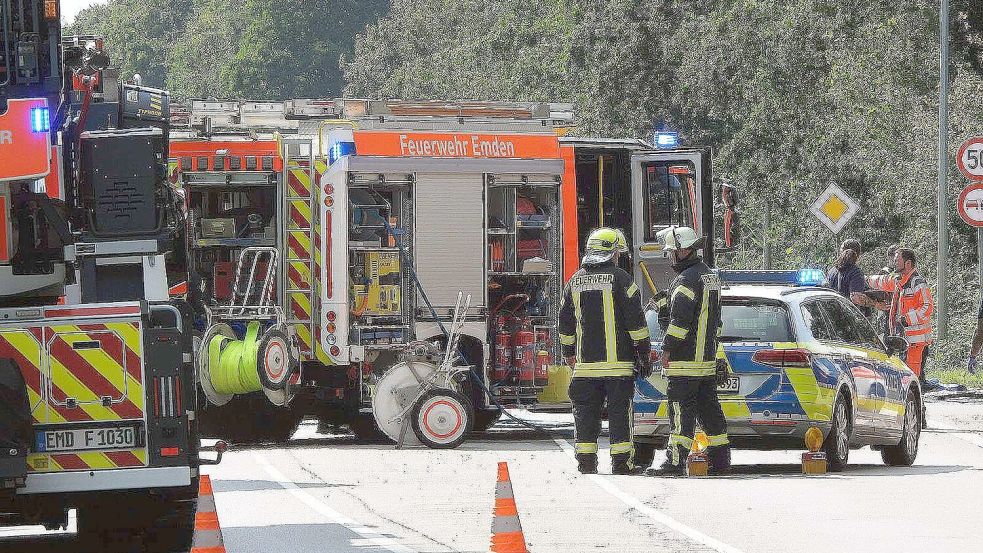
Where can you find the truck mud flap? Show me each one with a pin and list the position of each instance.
(15, 423)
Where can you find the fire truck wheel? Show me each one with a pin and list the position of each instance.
(367, 431)
(442, 419)
(486, 418)
(153, 526)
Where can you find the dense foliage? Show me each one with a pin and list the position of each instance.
(232, 48)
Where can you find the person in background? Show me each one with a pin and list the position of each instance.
(910, 310)
(846, 277)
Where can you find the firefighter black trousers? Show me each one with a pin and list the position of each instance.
(693, 399)
(587, 396)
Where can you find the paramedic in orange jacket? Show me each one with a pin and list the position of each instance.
(910, 311)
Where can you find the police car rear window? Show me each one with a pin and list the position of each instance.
(750, 321)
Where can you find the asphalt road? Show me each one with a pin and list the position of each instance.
(325, 493)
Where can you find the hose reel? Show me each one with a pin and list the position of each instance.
(260, 361)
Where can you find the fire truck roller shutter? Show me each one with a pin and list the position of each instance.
(450, 238)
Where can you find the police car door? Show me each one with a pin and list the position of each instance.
(670, 187)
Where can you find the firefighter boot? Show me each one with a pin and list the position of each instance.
(621, 464)
(587, 463)
(667, 469)
(719, 460)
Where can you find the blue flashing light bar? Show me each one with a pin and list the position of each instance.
(802, 277)
(339, 150)
(40, 120)
(666, 140)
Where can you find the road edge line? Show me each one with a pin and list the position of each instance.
(378, 540)
(652, 513)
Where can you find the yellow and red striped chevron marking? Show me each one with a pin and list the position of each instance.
(90, 460)
(23, 346)
(298, 183)
(112, 369)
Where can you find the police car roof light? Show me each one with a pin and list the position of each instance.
(802, 277)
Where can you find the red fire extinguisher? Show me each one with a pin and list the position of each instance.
(503, 350)
(544, 357)
(524, 345)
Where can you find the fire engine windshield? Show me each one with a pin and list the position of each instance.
(670, 196)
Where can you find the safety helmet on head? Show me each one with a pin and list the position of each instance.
(676, 238)
(602, 244)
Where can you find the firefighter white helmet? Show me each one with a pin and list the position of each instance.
(677, 238)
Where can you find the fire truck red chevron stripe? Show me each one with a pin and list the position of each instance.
(295, 180)
(124, 459)
(92, 378)
(28, 367)
(114, 349)
(69, 461)
(297, 215)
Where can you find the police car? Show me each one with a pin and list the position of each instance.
(799, 356)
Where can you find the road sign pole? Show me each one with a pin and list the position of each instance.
(943, 168)
(979, 255)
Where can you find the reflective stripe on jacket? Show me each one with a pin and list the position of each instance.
(911, 305)
(601, 319)
(691, 317)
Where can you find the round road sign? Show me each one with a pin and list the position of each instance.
(971, 204)
(970, 158)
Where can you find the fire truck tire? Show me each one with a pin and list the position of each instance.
(367, 431)
(143, 524)
(250, 419)
(486, 418)
(442, 419)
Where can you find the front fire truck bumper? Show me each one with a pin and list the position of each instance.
(106, 480)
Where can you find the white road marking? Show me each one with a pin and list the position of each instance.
(367, 537)
(652, 513)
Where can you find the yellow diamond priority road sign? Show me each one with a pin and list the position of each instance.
(834, 208)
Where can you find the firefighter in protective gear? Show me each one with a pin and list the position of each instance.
(690, 313)
(910, 310)
(605, 342)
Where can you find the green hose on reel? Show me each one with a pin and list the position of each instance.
(232, 363)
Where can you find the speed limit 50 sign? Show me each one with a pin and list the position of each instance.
(970, 158)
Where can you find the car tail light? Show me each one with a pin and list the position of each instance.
(167, 396)
(783, 357)
(170, 451)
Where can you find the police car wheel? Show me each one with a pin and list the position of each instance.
(442, 419)
(837, 444)
(903, 454)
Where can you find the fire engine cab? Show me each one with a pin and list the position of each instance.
(397, 266)
(97, 403)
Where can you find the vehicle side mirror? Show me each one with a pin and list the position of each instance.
(895, 344)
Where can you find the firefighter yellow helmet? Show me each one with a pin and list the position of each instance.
(677, 238)
(602, 244)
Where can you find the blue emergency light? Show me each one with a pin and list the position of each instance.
(40, 120)
(339, 150)
(666, 140)
(802, 277)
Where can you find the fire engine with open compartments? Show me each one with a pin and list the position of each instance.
(97, 385)
(397, 266)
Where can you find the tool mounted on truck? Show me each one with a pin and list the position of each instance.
(95, 357)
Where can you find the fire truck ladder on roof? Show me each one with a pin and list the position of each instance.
(300, 214)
